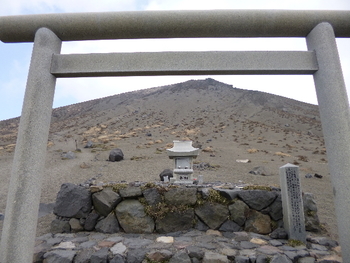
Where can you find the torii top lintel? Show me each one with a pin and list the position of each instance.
(173, 24)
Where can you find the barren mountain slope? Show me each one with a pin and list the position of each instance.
(227, 123)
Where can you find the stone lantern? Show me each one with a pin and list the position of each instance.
(183, 154)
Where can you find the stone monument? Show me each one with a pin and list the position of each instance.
(183, 154)
(292, 202)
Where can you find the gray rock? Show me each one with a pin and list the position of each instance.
(275, 209)
(307, 260)
(91, 221)
(280, 259)
(176, 221)
(89, 144)
(239, 212)
(200, 225)
(75, 225)
(118, 248)
(88, 244)
(166, 172)
(159, 255)
(68, 155)
(137, 242)
(116, 155)
(242, 259)
(279, 233)
(206, 211)
(117, 259)
(130, 191)
(260, 170)
(181, 196)
(152, 196)
(257, 199)
(258, 223)
(180, 257)
(211, 257)
(312, 222)
(248, 245)
(105, 201)
(2, 217)
(73, 201)
(100, 256)
(83, 256)
(230, 226)
(60, 226)
(195, 252)
(228, 194)
(132, 217)
(261, 259)
(136, 255)
(108, 225)
(59, 256)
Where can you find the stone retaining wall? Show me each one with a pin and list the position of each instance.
(165, 208)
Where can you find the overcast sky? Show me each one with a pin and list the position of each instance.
(15, 58)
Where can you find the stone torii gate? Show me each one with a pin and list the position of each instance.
(48, 31)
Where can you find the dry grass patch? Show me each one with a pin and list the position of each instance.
(282, 154)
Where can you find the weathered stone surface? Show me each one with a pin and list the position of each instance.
(180, 257)
(195, 252)
(230, 226)
(118, 248)
(130, 191)
(59, 256)
(200, 225)
(159, 255)
(312, 222)
(60, 226)
(228, 193)
(152, 196)
(136, 255)
(257, 199)
(239, 212)
(105, 201)
(307, 260)
(279, 233)
(275, 209)
(242, 259)
(108, 225)
(261, 259)
(118, 259)
(72, 201)
(91, 221)
(176, 221)
(181, 196)
(100, 256)
(166, 172)
(211, 257)
(164, 239)
(280, 259)
(75, 225)
(84, 256)
(206, 211)
(116, 155)
(258, 223)
(132, 217)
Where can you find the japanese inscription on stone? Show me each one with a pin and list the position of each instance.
(293, 211)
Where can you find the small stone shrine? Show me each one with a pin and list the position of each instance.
(292, 202)
(183, 153)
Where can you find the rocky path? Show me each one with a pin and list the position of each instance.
(191, 246)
